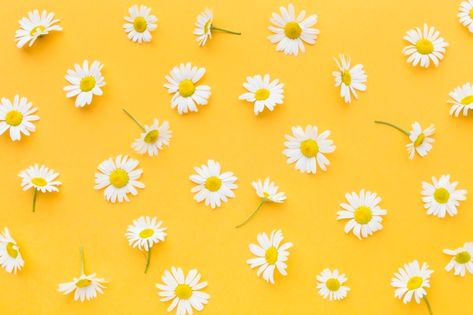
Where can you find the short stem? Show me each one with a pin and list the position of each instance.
(148, 258)
(35, 195)
(213, 28)
(134, 119)
(392, 125)
(253, 214)
(428, 305)
(82, 261)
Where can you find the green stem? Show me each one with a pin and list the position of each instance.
(134, 119)
(35, 195)
(253, 214)
(148, 258)
(82, 261)
(428, 305)
(213, 28)
(392, 125)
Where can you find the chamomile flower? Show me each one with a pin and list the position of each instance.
(307, 148)
(271, 254)
(140, 24)
(204, 27)
(330, 284)
(17, 117)
(425, 46)
(411, 280)
(119, 177)
(462, 259)
(182, 82)
(263, 92)
(34, 26)
(212, 185)
(85, 82)
(183, 290)
(465, 14)
(291, 31)
(349, 79)
(363, 213)
(462, 100)
(442, 196)
(10, 256)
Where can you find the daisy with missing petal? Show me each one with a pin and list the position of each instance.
(442, 197)
(465, 14)
(17, 117)
(183, 290)
(35, 26)
(349, 79)
(425, 46)
(140, 24)
(270, 254)
(85, 82)
(119, 177)
(331, 285)
(308, 148)
(182, 82)
(40, 178)
(212, 185)
(462, 259)
(10, 256)
(462, 100)
(204, 27)
(263, 92)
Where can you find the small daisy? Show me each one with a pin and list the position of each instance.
(308, 148)
(270, 255)
(331, 285)
(40, 178)
(292, 31)
(85, 82)
(462, 259)
(183, 290)
(140, 23)
(462, 100)
(120, 177)
(425, 46)
(182, 83)
(35, 26)
(212, 185)
(10, 255)
(465, 14)
(349, 79)
(17, 117)
(263, 92)
(442, 197)
(268, 191)
(204, 27)
(144, 233)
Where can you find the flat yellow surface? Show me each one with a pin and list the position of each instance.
(74, 141)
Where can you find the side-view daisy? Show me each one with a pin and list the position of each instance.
(465, 14)
(349, 79)
(34, 26)
(17, 117)
(271, 254)
(462, 259)
(462, 100)
(291, 31)
(424, 46)
(204, 27)
(442, 196)
(183, 290)
(307, 148)
(85, 82)
(182, 82)
(140, 23)
(119, 177)
(10, 256)
(263, 92)
(330, 284)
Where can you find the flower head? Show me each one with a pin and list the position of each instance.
(465, 14)
(140, 24)
(441, 197)
(17, 117)
(153, 138)
(34, 26)
(411, 280)
(263, 92)
(204, 27)
(349, 79)
(330, 284)
(462, 100)
(10, 256)
(85, 82)
(421, 140)
(425, 46)
(462, 259)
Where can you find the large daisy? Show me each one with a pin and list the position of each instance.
(85, 82)
(462, 100)
(442, 196)
(330, 284)
(140, 23)
(349, 79)
(10, 256)
(204, 27)
(17, 117)
(34, 26)
(425, 45)
(462, 259)
(263, 92)
(465, 14)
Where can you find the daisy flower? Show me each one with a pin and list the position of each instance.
(263, 92)
(120, 177)
(140, 23)
(17, 117)
(442, 197)
(182, 82)
(10, 256)
(35, 26)
(144, 233)
(363, 213)
(462, 259)
(204, 27)
(40, 178)
(85, 82)
(308, 148)
(331, 285)
(270, 255)
(183, 290)
(349, 79)
(268, 191)
(425, 46)
(212, 185)
(465, 14)
(462, 100)
(291, 31)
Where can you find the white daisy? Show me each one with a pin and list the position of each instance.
(412, 280)
(10, 256)
(263, 92)
(34, 26)
(462, 259)
(292, 31)
(85, 82)
(120, 177)
(425, 46)
(331, 285)
(465, 14)
(204, 27)
(183, 290)
(212, 185)
(442, 197)
(363, 212)
(140, 23)
(308, 148)
(270, 255)
(421, 140)
(182, 82)
(349, 79)
(462, 99)
(17, 117)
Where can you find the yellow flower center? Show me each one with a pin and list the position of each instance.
(467, 100)
(186, 88)
(333, 284)
(309, 148)
(462, 257)
(262, 94)
(39, 181)
(146, 233)
(363, 215)
(471, 14)
(213, 183)
(424, 46)
(271, 255)
(441, 195)
(292, 30)
(152, 136)
(12, 250)
(140, 24)
(87, 83)
(82, 283)
(207, 26)
(183, 291)
(346, 77)
(14, 118)
(414, 283)
(119, 178)
(37, 29)
(419, 140)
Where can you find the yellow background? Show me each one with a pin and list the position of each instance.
(74, 141)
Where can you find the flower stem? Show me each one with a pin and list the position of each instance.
(134, 119)
(148, 258)
(82, 260)
(392, 125)
(428, 305)
(35, 195)
(263, 201)
(213, 28)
